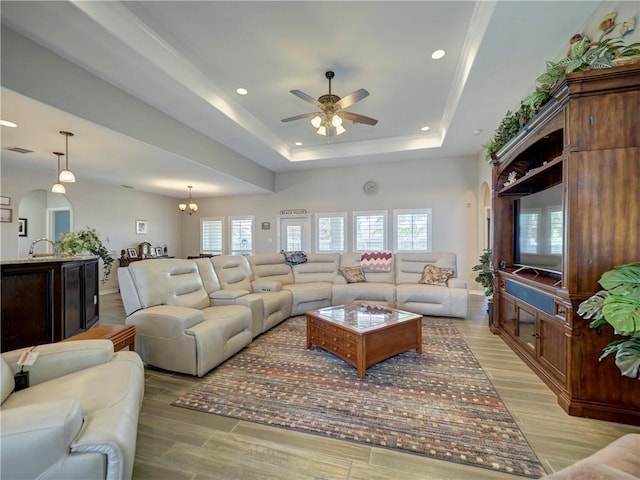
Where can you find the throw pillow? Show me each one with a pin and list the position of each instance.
(353, 274)
(432, 275)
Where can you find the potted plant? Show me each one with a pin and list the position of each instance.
(485, 278)
(87, 240)
(618, 305)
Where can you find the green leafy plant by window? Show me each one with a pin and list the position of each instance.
(87, 240)
(618, 305)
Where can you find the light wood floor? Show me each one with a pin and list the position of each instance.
(175, 443)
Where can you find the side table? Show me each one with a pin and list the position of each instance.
(121, 335)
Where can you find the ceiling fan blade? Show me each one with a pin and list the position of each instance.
(357, 118)
(300, 117)
(352, 98)
(307, 98)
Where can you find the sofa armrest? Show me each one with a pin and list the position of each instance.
(226, 296)
(456, 283)
(36, 437)
(266, 286)
(59, 359)
(166, 321)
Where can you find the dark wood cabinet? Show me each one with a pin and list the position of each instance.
(587, 139)
(44, 302)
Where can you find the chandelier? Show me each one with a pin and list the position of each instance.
(66, 175)
(189, 205)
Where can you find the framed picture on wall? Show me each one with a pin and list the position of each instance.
(141, 227)
(22, 227)
(6, 215)
(5, 200)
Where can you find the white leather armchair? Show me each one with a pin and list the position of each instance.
(78, 419)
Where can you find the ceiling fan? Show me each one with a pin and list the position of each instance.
(329, 120)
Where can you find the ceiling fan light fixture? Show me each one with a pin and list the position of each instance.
(340, 130)
(322, 130)
(336, 121)
(316, 121)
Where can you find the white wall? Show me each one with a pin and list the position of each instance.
(448, 186)
(110, 210)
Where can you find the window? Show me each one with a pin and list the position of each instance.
(241, 233)
(555, 230)
(528, 226)
(412, 231)
(370, 230)
(211, 235)
(331, 235)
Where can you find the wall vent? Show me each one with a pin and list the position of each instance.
(19, 150)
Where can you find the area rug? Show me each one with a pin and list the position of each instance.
(439, 404)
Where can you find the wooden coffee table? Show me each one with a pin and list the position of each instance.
(121, 335)
(363, 334)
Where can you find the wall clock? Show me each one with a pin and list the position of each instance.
(370, 187)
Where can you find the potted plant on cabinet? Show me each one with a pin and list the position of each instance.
(618, 305)
(87, 240)
(485, 278)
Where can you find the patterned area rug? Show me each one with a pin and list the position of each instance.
(439, 404)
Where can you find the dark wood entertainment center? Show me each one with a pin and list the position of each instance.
(586, 138)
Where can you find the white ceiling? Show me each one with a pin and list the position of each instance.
(186, 59)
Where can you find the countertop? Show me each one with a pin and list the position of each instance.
(48, 259)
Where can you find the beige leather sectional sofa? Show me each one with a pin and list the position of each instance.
(191, 315)
(79, 416)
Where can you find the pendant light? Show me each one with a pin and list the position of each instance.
(58, 187)
(67, 175)
(189, 205)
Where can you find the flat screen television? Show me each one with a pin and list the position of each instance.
(539, 223)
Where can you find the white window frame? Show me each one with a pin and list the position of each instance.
(318, 218)
(249, 251)
(385, 233)
(396, 228)
(222, 235)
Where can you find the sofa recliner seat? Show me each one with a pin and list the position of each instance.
(177, 329)
(78, 419)
(309, 282)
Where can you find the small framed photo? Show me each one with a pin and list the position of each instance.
(266, 225)
(132, 252)
(6, 214)
(141, 227)
(5, 200)
(22, 227)
(159, 252)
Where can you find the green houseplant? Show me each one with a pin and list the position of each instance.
(485, 278)
(583, 55)
(618, 305)
(87, 240)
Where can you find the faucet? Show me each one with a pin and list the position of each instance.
(33, 244)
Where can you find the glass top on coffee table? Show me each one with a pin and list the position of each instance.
(363, 316)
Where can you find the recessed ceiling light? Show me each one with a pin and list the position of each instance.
(241, 91)
(438, 54)
(298, 144)
(426, 128)
(7, 123)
